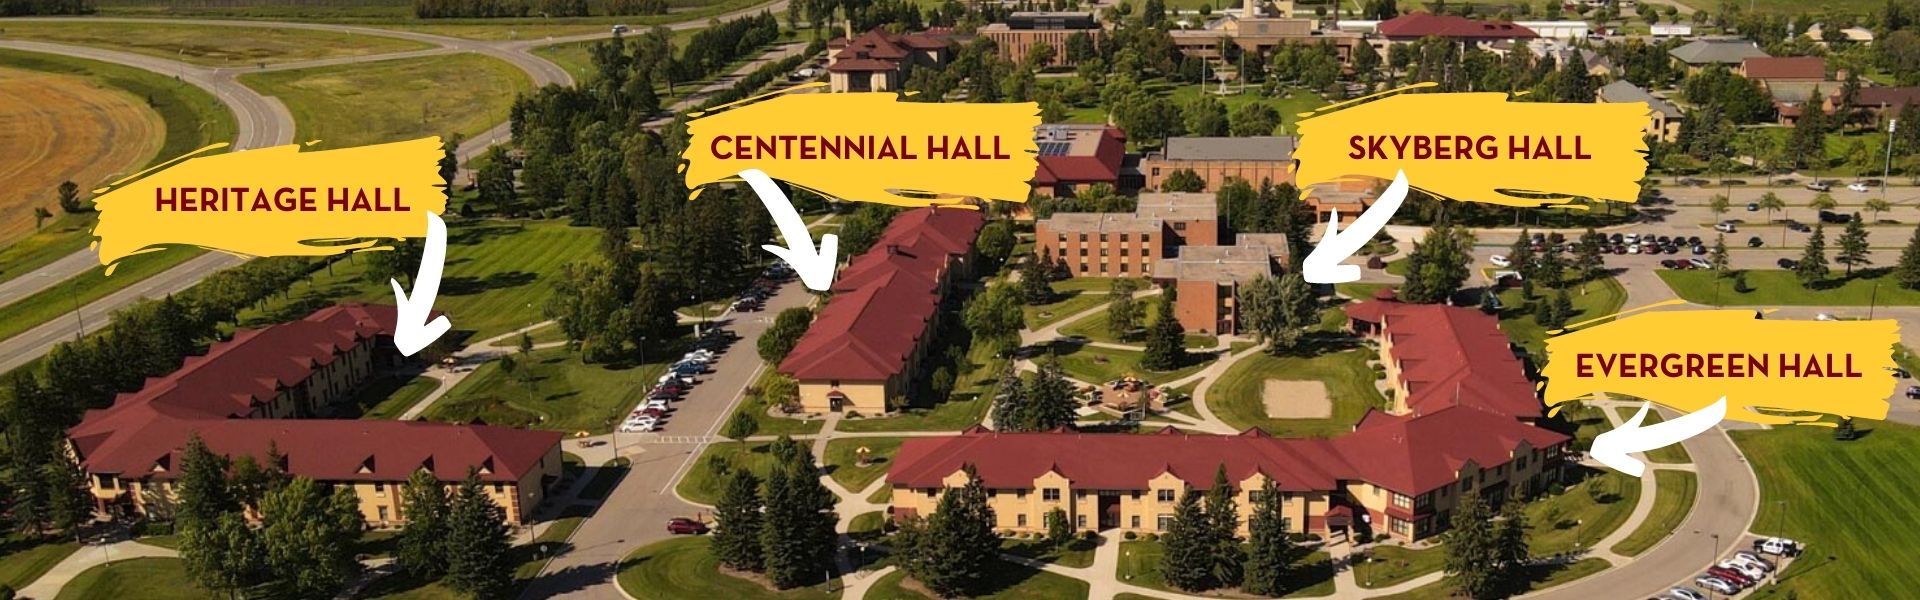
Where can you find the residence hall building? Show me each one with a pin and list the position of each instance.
(1883, 102)
(1207, 279)
(1398, 473)
(1129, 244)
(261, 391)
(1413, 27)
(862, 351)
(878, 61)
(1700, 54)
(1666, 118)
(1214, 159)
(1074, 157)
(1021, 31)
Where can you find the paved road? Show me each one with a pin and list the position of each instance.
(24, 348)
(635, 513)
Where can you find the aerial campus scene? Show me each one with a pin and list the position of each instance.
(1131, 381)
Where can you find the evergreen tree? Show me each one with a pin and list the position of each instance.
(1036, 281)
(1059, 528)
(1562, 308)
(958, 547)
(1123, 312)
(736, 539)
(741, 426)
(309, 535)
(1440, 263)
(1010, 402)
(1166, 343)
(1271, 554)
(477, 543)
(1510, 544)
(70, 198)
(1907, 271)
(1588, 262)
(797, 532)
(1472, 549)
(204, 494)
(1718, 257)
(423, 550)
(1223, 526)
(1188, 560)
(1853, 245)
(1812, 268)
(1520, 254)
(1050, 402)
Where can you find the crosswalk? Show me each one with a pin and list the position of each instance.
(655, 438)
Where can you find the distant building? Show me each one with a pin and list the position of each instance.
(1671, 30)
(1439, 356)
(1253, 29)
(1207, 280)
(1858, 35)
(1023, 30)
(1790, 98)
(1565, 31)
(1074, 157)
(878, 61)
(268, 390)
(1128, 244)
(864, 347)
(1413, 27)
(1214, 159)
(1665, 124)
(1699, 54)
(1770, 69)
(1883, 102)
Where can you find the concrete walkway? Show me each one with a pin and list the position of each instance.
(87, 557)
(466, 361)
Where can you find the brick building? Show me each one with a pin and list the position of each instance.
(1207, 279)
(1021, 31)
(1128, 244)
(1214, 159)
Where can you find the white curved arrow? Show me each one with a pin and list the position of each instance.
(413, 331)
(1611, 447)
(1323, 265)
(814, 268)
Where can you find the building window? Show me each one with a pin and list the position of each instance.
(1156, 171)
(1466, 485)
(1180, 226)
(1080, 521)
(1123, 267)
(1050, 494)
(383, 513)
(1021, 494)
(1402, 501)
(1146, 238)
(1162, 522)
(1020, 520)
(1134, 522)
(498, 488)
(379, 489)
(1520, 463)
(1083, 238)
(1164, 495)
(1401, 526)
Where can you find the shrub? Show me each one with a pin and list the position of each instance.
(1313, 537)
(1362, 537)
(1153, 537)
(1297, 537)
(1130, 536)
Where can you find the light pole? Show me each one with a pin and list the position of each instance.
(1873, 298)
(77, 317)
(1887, 169)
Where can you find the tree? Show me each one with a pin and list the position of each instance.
(225, 556)
(1844, 431)
(779, 338)
(1205, 116)
(204, 494)
(1047, 401)
(1254, 119)
(736, 538)
(1438, 265)
(1270, 553)
(1907, 271)
(995, 242)
(495, 180)
(797, 532)
(477, 542)
(40, 216)
(1471, 562)
(741, 426)
(1036, 279)
(1511, 552)
(1588, 261)
(1223, 526)
(1166, 343)
(1183, 180)
(423, 550)
(450, 160)
(1188, 560)
(1123, 312)
(1771, 202)
(1059, 528)
(310, 534)
(1719, 255)
(994, 317)
(1562, 308)
(1040, 55)
(69, 195)
(1877, 206)
(958, 549)
(1853, 245)
(1010, 402)
(1823, 201)
(1280, 309)
(1719, 205)
(940, 383)
(1812, 268)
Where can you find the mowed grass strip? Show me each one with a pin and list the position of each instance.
(1591, 300)
(686, 568)
(234, 45)
(1005, 581)
(843, 460)
(23, 560)
(1852, 503)
(1774, 287)
(155, 578)
(550, 389)
(60, 299)
(394, 100)
(1672, 500)
(1674, 454)
(1238, 397)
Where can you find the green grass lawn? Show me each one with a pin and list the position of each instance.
(1391, 565)
(61, 298)
(1098, 365)
(395, 100)
(1360, 291)
(867, 526)
(565, 394)
(1069, 303)
(1671, 455)
(1587, 420)
(64, 235)
(972, 396)
(1009, 582)
(1774, 287)
(1601, 297)
(1672, 500)
(22, 561)
(686, 568)
(882, 496)
(757, 408)
(1850, 501)
(154, 578)
(212, 45)
(1094, 326)
(388, 396)
(1092, 284)
(1292, 102)
(1574, 519)
(1077, 553)
(498, 277)
(1140, 565)
(703, 484)
(1237, 397)
(1542, 577)
(841, 460)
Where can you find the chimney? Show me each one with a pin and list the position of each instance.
(848, 14)
(1252, 9)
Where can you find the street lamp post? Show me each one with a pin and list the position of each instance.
(1872, 299)
(1886, 170)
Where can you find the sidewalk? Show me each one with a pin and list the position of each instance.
(48, 586)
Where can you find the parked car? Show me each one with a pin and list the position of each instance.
(1825, 317)
(1670, 264)
(1732, 576)
(1777, 547)
(1630, 238)
(685, 526)
(620, 29)
(1785, 263)
(1633, 249)
(1716, 584)
(1699, 250)
(1752, 573)
(1499, 260)
(1755, 559)
(1754, 242)
(1857, 186)
(1724, 227)
(1619, 249)
(1827, 216)
(1913, 392)
(1753, 207)
(1819, 186)
(1681, 593)
(1699, 263)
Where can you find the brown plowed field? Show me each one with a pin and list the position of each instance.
(55, 128)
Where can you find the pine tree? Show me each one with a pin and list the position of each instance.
(1562, 308)
(1441, 263)
(1588, 262)
(423, 550)
(1520, 254)
(477, 543)
(1853, 245)
(1907, 271)
(1187, 562)
(797, 534)
(1050, 404)
(1812, 268)
(736, 539)
(1510, 544)
(1718, 257)
(1271, 554)
(310, 535)
(1223, 530)
(1471, 549)
(958, 548)
(1010, 405)
(1059, 528)
(204, 494)
(1166, 343)
(1036, 281)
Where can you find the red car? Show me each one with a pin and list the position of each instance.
(1730, 575)
(686, 526)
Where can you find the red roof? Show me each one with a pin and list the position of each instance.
(879, 50)
(1450, 355)
(213, 394)
(1415, 454)
(1890, 97)
(1808, 68)
(1103, 166)
(1419, 25)
(1116, 461)
(884, 299)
